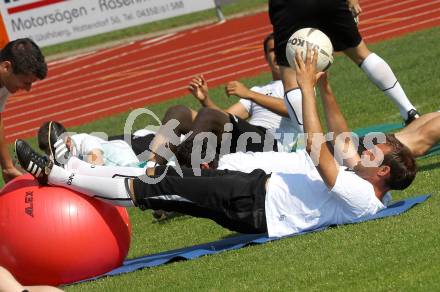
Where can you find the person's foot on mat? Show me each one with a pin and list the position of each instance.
(161, 215)
(412, 115)
(37, 165)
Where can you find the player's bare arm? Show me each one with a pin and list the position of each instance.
(337, 124)
(9, 171)
(273, 104)
(199, 89)
(306, 77)
(354, 7)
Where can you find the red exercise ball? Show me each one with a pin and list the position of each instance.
(53, 236)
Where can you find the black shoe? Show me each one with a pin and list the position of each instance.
(412, 115)
(57, 147)
(37, 165)
(161, 215)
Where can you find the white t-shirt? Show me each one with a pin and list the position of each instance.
(261, 116)
(297, 199)
(115, 152)
(4, 93)
(269, 161)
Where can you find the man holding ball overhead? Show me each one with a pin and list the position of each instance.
(335, 18)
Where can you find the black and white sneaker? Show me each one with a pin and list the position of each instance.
(57, 147)
(37, 165)
(412, 115)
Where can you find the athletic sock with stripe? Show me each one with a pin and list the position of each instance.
(114, 191)
(81, 167)
(293, 101)
(380, 73)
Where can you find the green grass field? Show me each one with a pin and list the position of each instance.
(394, 254)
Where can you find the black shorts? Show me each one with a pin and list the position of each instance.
(233, 199)
(332, 17)
(266, 141)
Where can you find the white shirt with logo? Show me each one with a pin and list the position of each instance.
(261, 116)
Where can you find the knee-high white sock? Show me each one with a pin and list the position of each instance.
(293, 101)
(380, 73)
(110, 190)
(81, 167)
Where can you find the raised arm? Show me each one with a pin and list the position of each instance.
(273, 104)
(9, 171)
(199, 89)
(320, 153)
(354, 7)
(336, 124)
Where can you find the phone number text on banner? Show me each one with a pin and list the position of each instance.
(50, 22)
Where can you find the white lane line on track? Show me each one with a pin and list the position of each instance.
(184, 58)
(137, 51)
(402, 19)
(387, 7)
(157, 39)
(128, 85)
(93, 113)
(403, 27)
(108, 99)
(69, 61)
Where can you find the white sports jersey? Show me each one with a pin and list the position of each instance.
(268, 161)
(116, 152)
(4, 93)
(261, 116)
(297, 198)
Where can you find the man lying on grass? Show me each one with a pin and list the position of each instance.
(320, 193)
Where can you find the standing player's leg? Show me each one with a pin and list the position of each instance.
(287, 16)
(381, 74)
(342, 29)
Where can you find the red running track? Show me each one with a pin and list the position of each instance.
(83, 88)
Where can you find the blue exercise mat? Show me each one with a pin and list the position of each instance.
(237, 242)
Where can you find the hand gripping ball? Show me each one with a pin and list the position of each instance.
(52, 235)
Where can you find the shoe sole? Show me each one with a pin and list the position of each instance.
(49, 134)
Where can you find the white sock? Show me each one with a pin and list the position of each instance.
(293, 101)
(81, 167)
(110, 190)
(380, 73)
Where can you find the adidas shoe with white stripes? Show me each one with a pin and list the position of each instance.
(37, 165)
(57, 147)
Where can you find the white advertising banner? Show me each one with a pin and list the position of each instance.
(50, 22)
